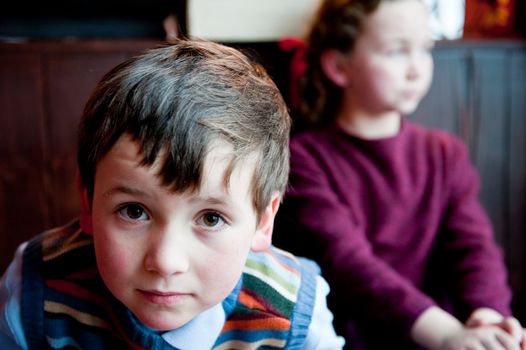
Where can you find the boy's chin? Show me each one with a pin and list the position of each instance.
(158, 323)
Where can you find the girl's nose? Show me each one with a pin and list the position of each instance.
(167, 253)
(420, 62)
(414, 67)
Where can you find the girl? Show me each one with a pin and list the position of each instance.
(387, 207)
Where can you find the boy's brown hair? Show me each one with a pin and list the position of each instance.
(176, 100)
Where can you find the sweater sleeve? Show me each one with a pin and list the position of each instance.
(473, 259)
(320, 225)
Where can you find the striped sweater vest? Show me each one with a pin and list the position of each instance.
(65, 303)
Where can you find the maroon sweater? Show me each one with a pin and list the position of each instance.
(396, 226)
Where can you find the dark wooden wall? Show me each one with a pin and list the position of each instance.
(43, 88)
(479, 93)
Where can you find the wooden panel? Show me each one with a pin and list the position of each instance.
(71, 78)
(43, 89)
(478, 93)
(23, 209)
(517, 179)
(444, 106)
(467, 98)
(489, 128)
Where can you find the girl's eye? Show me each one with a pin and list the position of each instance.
(395, 52)
(133, 212)
(428, 49)
(212, 220)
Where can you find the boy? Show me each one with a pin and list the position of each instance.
(183, 157)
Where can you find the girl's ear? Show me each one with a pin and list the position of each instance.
(334, 65)
(263, 236)
(85, 208)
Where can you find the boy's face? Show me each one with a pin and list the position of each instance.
(167, 256)
(390, 67)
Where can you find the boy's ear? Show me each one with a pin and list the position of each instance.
(263, 236)
(334, 65)
(85, 209)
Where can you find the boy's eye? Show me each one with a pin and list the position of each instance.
(212, 220)
(133, 212)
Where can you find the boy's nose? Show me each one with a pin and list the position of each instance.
(167, 254)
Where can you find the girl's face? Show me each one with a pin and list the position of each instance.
(390, 68)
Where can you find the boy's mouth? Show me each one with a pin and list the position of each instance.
(163, 298)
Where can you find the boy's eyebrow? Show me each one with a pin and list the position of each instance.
(209, 199)
(213, 200)
(217, 200)
(124, 190)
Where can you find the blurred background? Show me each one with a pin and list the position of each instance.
(53, 53)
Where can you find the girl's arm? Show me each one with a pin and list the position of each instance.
(473, 261)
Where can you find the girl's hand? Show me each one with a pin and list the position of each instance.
(486, 316)
(481, 338)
